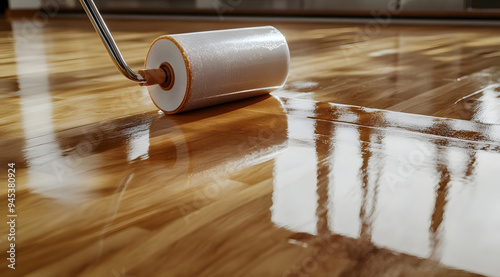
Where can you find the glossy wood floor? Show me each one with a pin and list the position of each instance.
(380, 157)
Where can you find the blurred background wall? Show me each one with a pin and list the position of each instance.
(443, 8)
(25, 4)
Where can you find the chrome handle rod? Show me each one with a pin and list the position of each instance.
(108, 40)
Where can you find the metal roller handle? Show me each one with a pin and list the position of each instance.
(106, 37)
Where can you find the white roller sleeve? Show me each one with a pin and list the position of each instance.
(218, 66)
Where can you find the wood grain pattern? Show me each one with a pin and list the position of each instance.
(380, 157)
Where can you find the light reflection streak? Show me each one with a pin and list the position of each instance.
(438, 179)
(41, 150)
(295, 202)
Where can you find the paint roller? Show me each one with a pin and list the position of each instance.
(194, 70)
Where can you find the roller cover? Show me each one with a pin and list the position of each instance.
(218, 66)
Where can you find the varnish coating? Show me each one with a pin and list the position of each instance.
(380, 157)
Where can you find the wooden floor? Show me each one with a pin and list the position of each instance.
(380, 157)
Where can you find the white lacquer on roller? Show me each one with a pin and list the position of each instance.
(215, 67)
